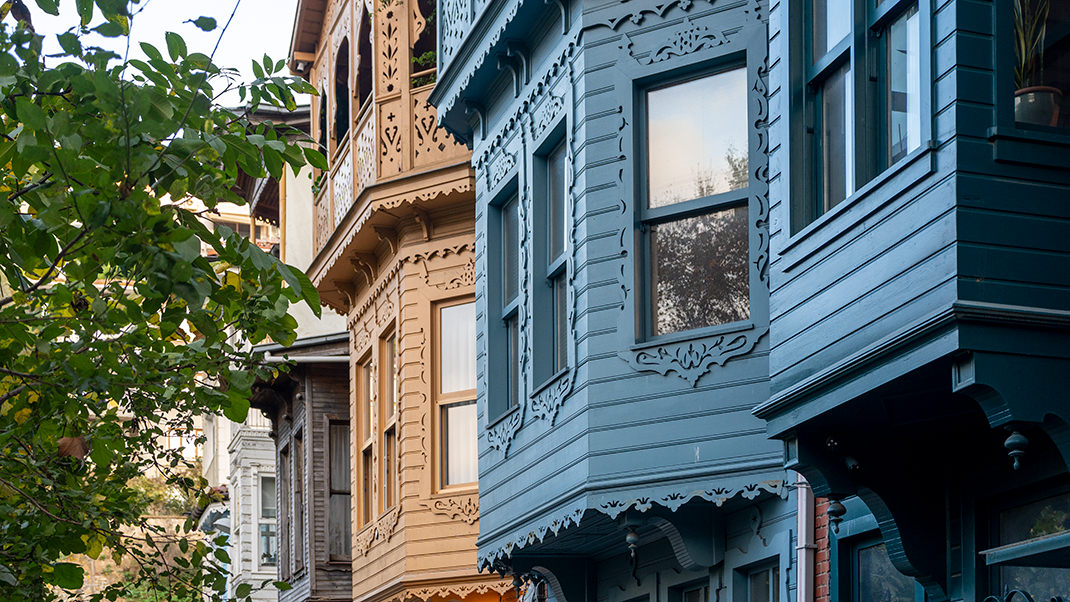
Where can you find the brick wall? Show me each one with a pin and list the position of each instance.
(821, 561)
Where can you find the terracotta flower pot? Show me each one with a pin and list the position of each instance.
(1038, 105)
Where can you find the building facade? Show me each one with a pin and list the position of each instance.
(622, 290)
(919, 288)
(392, 246)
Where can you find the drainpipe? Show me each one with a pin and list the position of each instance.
(805, 550)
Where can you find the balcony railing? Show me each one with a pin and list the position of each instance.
(353, 170)
(455, 21)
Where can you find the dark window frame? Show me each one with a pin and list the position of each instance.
(503, 316)
(333, 490)
(646, 217)
(551, 271)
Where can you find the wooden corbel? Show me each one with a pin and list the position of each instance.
(505, 61)
(347, 289)
(389, 236)
(423, 218)
(365, 264)
(475, 115)
(517, 50)
(562, 5)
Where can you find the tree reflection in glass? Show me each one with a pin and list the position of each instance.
(694, 129)
(699, 272)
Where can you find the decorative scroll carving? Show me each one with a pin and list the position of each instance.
(464, 508)
(343, 187)
(388, 28)
(450, 278)
(382, 530)
(390, 152)
(546, 115)
(671, 500)
(501, 434)
(454, 16)
(460, 590)
(365, 150)
(546, 404)
(683, 39)
(323, 220)
(498, 169)
(429, 141)
(690, 360)
(760, 180)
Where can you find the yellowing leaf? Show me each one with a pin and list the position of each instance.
(23, 415)
(94, 545)
(232, 279)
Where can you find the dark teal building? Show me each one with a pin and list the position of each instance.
(919, 350)
(623, 255)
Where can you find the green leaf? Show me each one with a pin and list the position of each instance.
(282, 585)
(85, 11)
(49, 6)
(315, 158)
(111, 29)
(176, 46)
(30, 114)
(151, 51)
(221, 554)
(308, 290)
(70, 44)
(243, 589)
(205, 23)
(66, 574)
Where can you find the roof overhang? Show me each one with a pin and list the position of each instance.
(306, 34)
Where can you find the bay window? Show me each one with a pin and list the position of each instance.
(864, 96)
(695, 214)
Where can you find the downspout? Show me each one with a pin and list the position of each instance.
(805, 550)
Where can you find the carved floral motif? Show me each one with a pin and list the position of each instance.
(454, 18)
(499, 168)
(465, 508)
(683, 39)
(323, 220)
(390, 153)
(546, 115)
(381, 531)
(459, 590)
(389, 48)
(366, 159)
(430, 142)
(343, 187)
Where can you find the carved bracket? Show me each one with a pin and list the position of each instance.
(465, 508)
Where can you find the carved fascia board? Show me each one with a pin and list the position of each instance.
(681, 40)
(671, 499)
(755, 10)
(367, 312)
(379, 531)
(462, 507)
(459, 590)
(460, 275)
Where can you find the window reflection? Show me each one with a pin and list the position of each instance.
(699, 272)
(832, 23)
(878, 580)
(836, 152)
(903, 93)
(1041, 40)
(457, 355)
(697, 138)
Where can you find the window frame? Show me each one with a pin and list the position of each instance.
(331, 421)
(366, 419)
(645, 217)
(1016, 497)
(500, 314)
(285, 520)
(262, 521)
(861, 48)
(389, 490)
(440, 400)
(550, 270)
(300, 497)
(857, 530)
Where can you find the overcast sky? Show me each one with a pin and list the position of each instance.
(259, 27)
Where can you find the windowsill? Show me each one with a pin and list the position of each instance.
(919, 154)
(455, 490)
(546, 384)
(501, 417)
(1035, 146)
(693, 335)
(1045, 551)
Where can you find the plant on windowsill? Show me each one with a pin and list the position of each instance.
(1034, 102)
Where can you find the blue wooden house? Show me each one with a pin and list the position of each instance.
(623, 277)
(919, 341)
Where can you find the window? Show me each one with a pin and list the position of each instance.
(341, 92)
(1019, 526)
(763, 585)
(299, 502)
(873, 577)
(509, 237)
(864, 97)
(456, 392)
(695, 214)
(269, 545)
(388, 409)
(285, 518)
(1041, 36)
(366, 417)
(323, 127)
(696, 594)
(551, 301)
(422, 68)
(338, 516)
(364, 55)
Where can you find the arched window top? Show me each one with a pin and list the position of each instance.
(341, 91)
(364, 56)
(323, 126)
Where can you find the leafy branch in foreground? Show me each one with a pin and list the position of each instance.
(115, 332)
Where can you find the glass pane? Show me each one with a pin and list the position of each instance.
(1043, 517)
(366, 400)
(510, 250)
(1042, 62)
(697, 138)
(390, 451)
(904, 86)
(832, 23)
(338, 531)
(557, 192)
(699, 271)
(269, 545)
(836, 149)
(339, 456)
(513, 361)
(366, 487)
(560, 322)
(457, 351)
(459, 444)
(695, 595)
(760, 585)
(389, 372)
(267, 497)
(878, 580)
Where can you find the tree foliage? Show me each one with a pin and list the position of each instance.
(114, 331)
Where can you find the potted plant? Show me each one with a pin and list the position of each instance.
(1034, 102)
